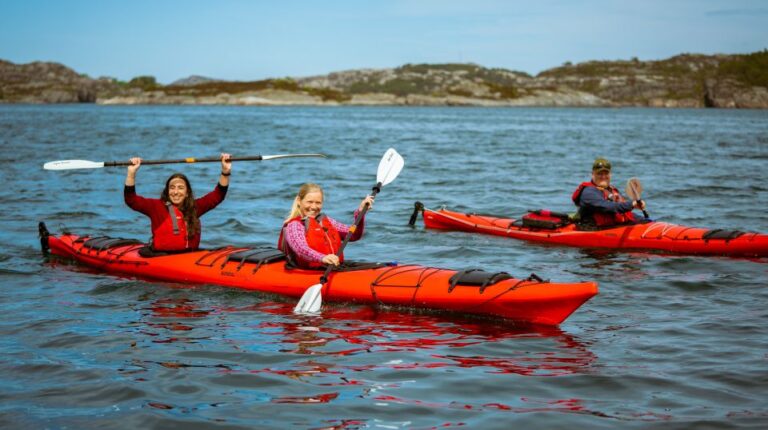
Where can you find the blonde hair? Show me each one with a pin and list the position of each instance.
(303, 191)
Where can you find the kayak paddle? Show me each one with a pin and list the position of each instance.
(389, 167)
(85, 164)
(635, 191)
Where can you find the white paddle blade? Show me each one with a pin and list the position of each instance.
(311, 301)
(272, 157)
(389, 167)
(72, 164)
(634, 189)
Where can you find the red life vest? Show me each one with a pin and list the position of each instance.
(605, 219)
(321, 236)
(171, 234)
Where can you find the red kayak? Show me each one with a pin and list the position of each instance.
(529, 300)
(549, 227)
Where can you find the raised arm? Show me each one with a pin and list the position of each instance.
(226, 169)
(130, 177)
(133, 200)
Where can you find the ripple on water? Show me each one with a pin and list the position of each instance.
(670, 341)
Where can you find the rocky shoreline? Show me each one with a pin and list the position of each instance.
(683, 81)
(286, 98)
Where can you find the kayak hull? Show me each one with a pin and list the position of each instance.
(529, 300)
(651, 236)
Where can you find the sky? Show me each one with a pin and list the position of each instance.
(258, 39)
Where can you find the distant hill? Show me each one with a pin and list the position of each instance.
(41, 82)
(193, 80)
(687, 80)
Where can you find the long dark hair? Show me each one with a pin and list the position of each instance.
(187, 206)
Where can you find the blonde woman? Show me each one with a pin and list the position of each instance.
(311, 239)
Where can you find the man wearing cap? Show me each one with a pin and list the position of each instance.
(600, 203)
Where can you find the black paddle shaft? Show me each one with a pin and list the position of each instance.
(183, 160)
(352, 230)
(645, 214)
(417, 207)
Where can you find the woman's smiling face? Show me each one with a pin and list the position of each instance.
(177, 191)
(312, 204)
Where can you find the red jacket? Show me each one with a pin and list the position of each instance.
(321, 236)
(163, 236)
(605, 214)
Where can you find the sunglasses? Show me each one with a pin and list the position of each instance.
(601, 165)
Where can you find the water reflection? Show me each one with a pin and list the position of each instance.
(370, 331)
(164, 319)
(607, 257)
(529, 405)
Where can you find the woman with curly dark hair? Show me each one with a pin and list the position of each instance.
(175, 216)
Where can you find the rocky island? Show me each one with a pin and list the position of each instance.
(687, 80)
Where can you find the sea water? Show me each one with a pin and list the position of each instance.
(669, 342)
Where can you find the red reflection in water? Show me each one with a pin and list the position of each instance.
(172, 308)
(320, 398)
(159, 405)
(366, 329)
(374, 330)
(459, 424)
(176, 308)
(539, 365)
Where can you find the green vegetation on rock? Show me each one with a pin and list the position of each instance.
(749, 69)
(215, 88)
(146, 83)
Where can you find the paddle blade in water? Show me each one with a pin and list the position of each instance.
(389, 167)
(311, 301)
(72, 164)
(634, 189)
